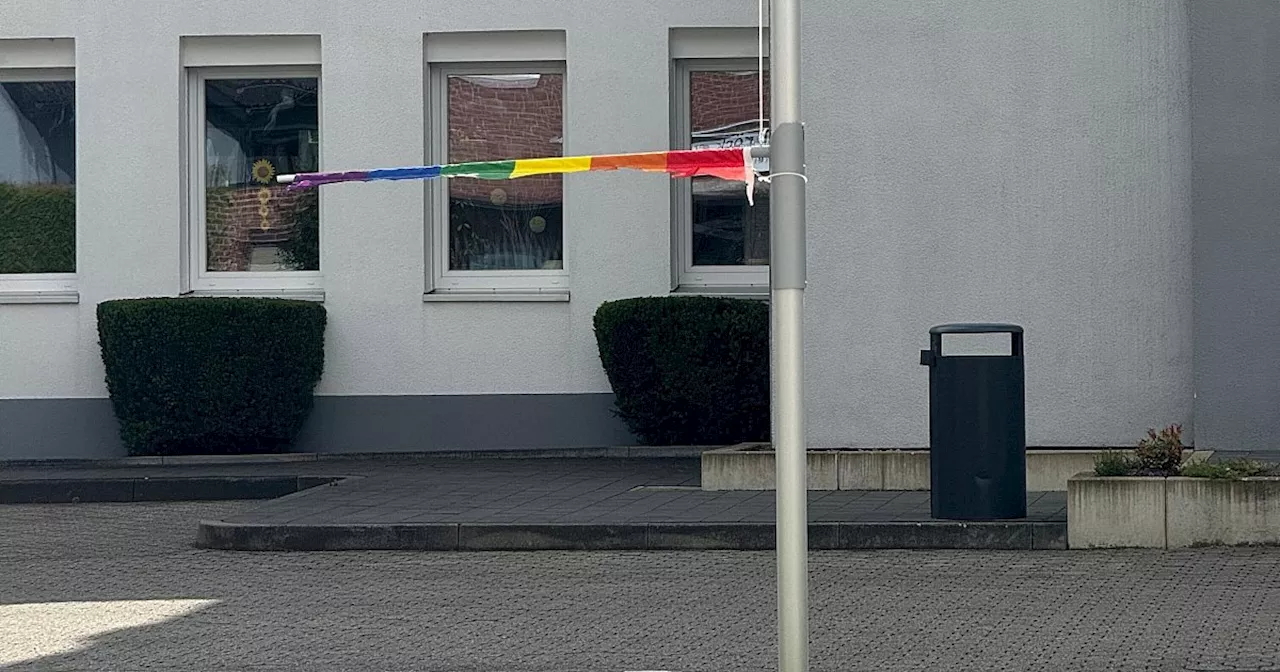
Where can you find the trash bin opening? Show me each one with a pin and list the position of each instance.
(991, 345)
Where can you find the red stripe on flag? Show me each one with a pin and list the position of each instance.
(724, 163)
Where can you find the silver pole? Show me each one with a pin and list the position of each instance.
(787, 277)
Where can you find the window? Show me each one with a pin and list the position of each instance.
(721, 241)
(37, 186)
(498, 236)
(247, 125)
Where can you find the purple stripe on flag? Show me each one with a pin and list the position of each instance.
(315, 179)
(305, 180)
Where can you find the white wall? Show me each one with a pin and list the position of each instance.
(1000, 161)
(997, 160)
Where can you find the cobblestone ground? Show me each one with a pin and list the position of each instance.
(118, 587)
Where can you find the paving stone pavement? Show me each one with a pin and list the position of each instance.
(118, 587)
(599, 491)
(396, 490)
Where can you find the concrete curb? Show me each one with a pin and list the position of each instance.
(151, 489)
(1172, 512)
(614, 452)
(750, 466)
(1012, 535)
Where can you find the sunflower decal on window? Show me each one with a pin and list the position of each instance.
(263, 171)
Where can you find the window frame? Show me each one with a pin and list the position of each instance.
(718, 280)
(45, 287)
(534, 284)
(302, 284)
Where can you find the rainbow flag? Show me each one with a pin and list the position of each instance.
(728, 164)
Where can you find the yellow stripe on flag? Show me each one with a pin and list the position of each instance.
(551, 165)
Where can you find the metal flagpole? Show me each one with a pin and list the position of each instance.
(787, 277)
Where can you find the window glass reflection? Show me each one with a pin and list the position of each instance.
(256, 129)
(511, 224)
(37, 177)
(725, 112)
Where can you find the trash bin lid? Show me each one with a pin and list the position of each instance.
(976, 328)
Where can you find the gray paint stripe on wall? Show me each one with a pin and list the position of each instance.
(472, 422)
(61, 428)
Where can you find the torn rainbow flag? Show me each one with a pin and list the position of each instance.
(728, 164)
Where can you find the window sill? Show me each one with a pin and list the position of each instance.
(497, 295)
(725, 292)
(17, 296)
(316, 295)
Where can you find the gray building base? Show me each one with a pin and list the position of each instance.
(86, 428)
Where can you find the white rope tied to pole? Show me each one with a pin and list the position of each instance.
(769, 178)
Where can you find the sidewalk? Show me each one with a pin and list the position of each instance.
(536, 504)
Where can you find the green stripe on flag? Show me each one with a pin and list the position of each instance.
(485, 170)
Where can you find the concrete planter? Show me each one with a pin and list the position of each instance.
(750, 466)
(1175, 512)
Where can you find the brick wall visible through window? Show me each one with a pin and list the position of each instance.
(726, 98)
(507, 225)
(235, 226)
(487, 123)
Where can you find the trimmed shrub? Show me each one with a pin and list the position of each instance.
(1157, 454)
(688, 370)
(211, 376)
(37, 229)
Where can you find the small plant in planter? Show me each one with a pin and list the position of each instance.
(1157, 454)
(1114, 463)
(1232, 470)
(1160, 453)
(1151, 498)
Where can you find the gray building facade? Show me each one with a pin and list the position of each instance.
(1102, 173)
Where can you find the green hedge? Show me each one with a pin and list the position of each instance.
(37, 229)
(688, 370)
(211, 376)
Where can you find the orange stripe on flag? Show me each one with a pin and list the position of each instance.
(656, 161)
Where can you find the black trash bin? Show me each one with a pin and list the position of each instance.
(977, 428)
